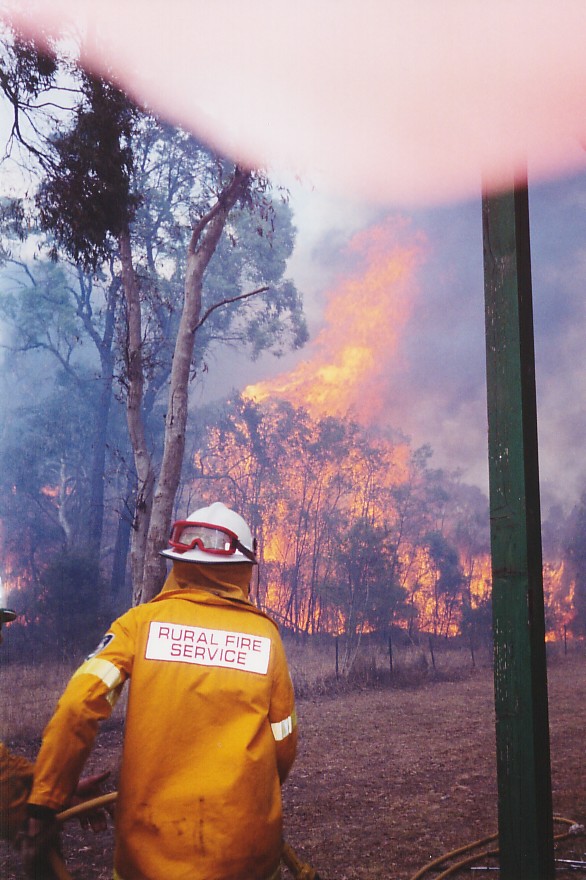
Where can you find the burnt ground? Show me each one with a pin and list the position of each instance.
(387, 780)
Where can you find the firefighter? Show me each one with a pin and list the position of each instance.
(16, 779)
(210, 730)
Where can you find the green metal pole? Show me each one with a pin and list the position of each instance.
(520, 674)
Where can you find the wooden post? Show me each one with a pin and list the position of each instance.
(522, 726)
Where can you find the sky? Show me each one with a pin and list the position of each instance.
(393, 99)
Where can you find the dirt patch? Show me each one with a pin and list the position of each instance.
(387, 780)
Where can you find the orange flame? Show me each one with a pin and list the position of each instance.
(559, 589)
(365, 316)
(351, 363)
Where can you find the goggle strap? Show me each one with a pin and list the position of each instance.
(250, 554)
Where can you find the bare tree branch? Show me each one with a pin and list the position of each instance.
(227, 301)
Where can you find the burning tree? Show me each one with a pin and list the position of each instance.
(571, 576)
(345, 520)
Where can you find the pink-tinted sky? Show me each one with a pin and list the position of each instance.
(389, 100)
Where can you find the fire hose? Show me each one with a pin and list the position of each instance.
(299, 869)
(574, 829)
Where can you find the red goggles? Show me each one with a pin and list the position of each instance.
(187, 535)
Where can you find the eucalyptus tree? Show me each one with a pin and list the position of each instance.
(158, 240)
(368, 593)
(446, 581)
(66, 310)
(44, 468)
(31, 95)
(123, 186)
(70, 315)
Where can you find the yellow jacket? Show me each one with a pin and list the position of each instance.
(16, 779)
(210, 731)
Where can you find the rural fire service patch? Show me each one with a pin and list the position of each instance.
(208, 647)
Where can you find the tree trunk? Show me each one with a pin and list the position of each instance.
(142, 459)
(119, 600)
(62, 507)
(203, 243)
(98, 467)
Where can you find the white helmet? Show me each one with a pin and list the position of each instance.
(211, 534)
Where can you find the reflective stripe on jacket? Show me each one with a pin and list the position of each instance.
(210, 734)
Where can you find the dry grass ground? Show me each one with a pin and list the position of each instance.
(387, 778)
